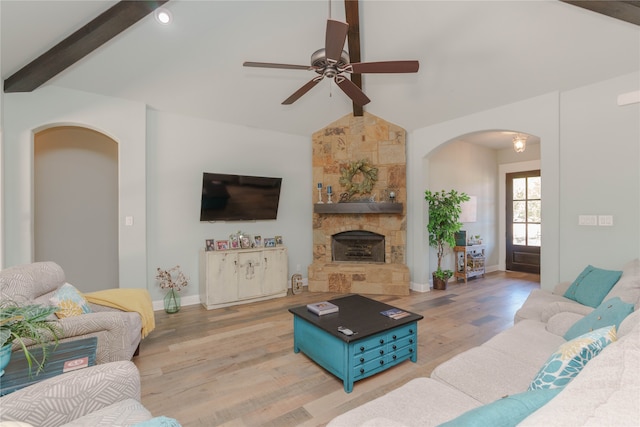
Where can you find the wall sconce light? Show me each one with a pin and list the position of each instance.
(519, 143)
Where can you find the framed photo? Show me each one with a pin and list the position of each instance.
(245, 241)
(234, 242)
(269, 242)
(222, 245)
(257, 241)
(278, 240)
(209, 245)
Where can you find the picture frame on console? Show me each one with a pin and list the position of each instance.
(257, 241)
(269, 242)
(209, 245)
(222, 245)
(234, 242)
(245, 241)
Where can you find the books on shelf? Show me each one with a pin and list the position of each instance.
(323, 307)
(395, 313)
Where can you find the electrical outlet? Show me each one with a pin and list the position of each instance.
(587, 220)
(128, 221)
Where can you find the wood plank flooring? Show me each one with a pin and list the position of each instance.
(236, 366)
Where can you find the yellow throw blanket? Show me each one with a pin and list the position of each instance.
(123, 299)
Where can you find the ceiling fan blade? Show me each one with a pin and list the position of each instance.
(384, 67)
(352, 91)
(334, 40)
(272, 65)
(304, 89)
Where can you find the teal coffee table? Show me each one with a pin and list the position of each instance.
(378, 342)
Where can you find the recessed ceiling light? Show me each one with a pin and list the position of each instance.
(163, 16)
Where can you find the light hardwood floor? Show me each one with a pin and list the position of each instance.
(236, 366)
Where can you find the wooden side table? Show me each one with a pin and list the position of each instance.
(469, 261)
(66, 357)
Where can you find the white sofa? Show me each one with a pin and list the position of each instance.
(606, 392)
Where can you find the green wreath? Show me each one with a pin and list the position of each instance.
(369, 177)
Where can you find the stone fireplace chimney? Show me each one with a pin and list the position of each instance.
(359, 246)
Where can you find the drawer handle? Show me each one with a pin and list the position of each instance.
(382, 362)
(394, 337)
(394, 346)
(362, 348)
(362, 360)
(395, 357)
(362, 370)
(410, 350)
(381, 351)
(381, 341)
(411, 341)
(410, 331)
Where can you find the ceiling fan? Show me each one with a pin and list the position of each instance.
(333, 62)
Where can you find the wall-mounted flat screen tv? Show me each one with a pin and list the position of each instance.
(239, 197)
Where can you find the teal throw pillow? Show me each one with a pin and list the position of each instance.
(592, 285)
(69, 301)
(611, 312)
(161, 421)
(566, 363)
(505, 412)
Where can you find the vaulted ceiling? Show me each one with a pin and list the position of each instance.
(473, 55)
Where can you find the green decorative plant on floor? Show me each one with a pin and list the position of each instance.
(27, 325)
(444, 214)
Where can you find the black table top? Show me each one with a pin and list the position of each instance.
(358, 313)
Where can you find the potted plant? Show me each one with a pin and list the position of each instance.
(25, 325)
(444, 214)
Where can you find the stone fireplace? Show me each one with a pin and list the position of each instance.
(359, 246)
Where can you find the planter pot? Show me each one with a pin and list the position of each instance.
(5, 356)
(439, 284)
(172, 302)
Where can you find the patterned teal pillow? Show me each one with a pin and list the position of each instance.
(592, 285)
(611, 312)
(571, 357)
(69, 301)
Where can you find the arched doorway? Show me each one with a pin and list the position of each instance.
(76, 205)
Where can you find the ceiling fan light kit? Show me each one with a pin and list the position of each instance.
(334, 63)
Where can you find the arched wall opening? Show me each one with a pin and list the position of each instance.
(537, 116)
(75, 195)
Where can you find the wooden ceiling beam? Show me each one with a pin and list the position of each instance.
(353, 42)
(79, 44)
(628, 11)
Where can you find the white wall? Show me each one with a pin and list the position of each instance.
(123, 121)
(180, 150)
(471, 169)
(590, 161)
(537, 116)
(599, 175)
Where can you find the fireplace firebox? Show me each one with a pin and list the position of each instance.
(357, 246)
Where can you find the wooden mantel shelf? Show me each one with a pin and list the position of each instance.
(357, 208)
